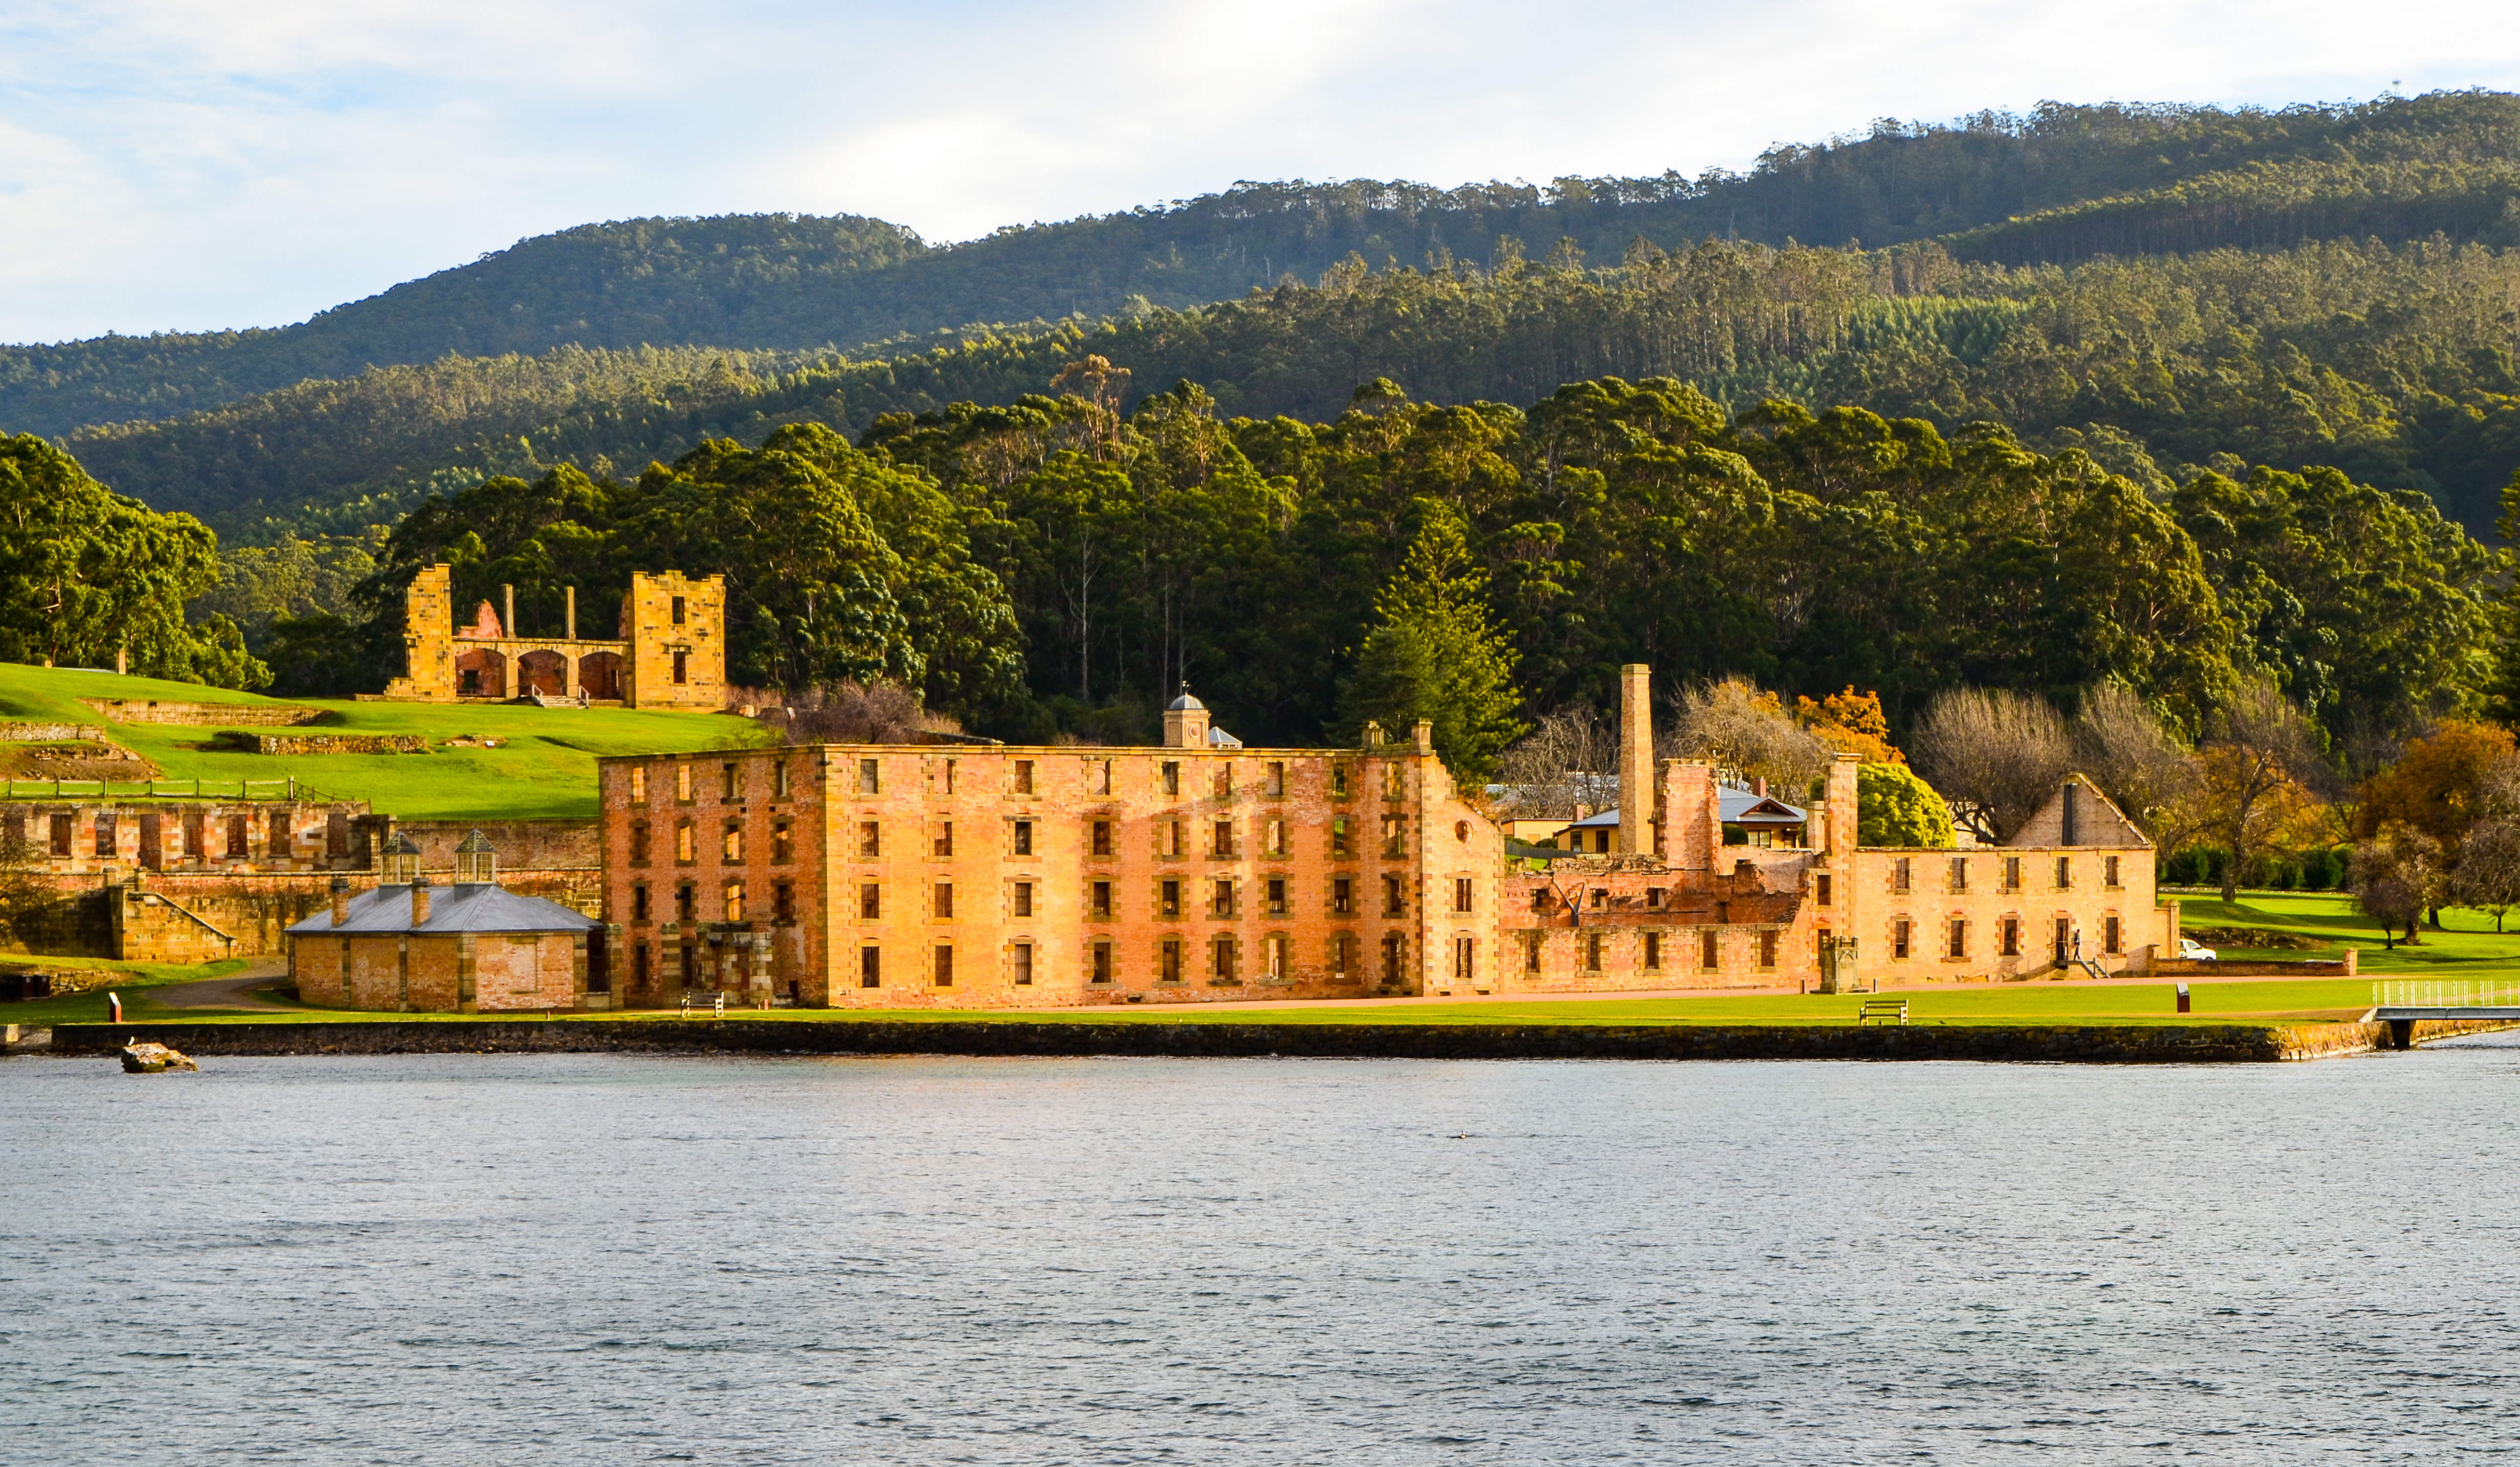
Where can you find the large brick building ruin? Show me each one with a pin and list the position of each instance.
(994, 876)
(669, 650)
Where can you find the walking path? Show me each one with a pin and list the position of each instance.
(233, 994)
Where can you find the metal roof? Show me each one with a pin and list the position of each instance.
(1735, 807)
(1740, 807)
(471, 907)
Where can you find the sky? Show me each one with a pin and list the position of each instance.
(168, 165)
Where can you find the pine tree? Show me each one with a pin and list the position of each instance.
(1435, 653)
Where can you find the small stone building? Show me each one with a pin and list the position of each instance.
(669, 650)
(411, 945)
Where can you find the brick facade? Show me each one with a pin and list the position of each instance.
(970, 876)
(74, 837)
(459, 973)
(987, 876)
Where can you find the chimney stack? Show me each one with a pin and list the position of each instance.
(419, 901)
(1636, 760)
(507, 593)
(573, 613)
(340, 901)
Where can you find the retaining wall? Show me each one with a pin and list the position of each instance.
(522, 845)
(159, 711)
(2254, 967)
(245, 742)
(12, 733)
(2100, 1044)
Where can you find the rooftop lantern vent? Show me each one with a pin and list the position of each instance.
(400, 864)
(475, 863)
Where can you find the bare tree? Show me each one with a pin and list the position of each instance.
(1997, 756)
(2263, 777)
(2486, 873)
(1732, 723)
(2397, 874)
(2122, 745)
(1560, 764)
(849, 712)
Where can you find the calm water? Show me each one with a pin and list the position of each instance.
(453, 1259)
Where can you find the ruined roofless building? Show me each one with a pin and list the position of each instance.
(958, 875)
(670, 651)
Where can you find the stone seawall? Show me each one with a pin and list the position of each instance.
(2210, 1044)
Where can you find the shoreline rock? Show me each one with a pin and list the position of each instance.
(148, 1057)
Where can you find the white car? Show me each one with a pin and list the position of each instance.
(2190, 952)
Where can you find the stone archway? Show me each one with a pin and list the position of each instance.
(599, 674)
(480, 673)
(544, 672)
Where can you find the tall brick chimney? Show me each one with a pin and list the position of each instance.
(1636, 760)
(418, 900)
(340, 901)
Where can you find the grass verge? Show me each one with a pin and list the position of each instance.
(132, 980)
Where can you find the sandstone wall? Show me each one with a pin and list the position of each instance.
(160, 711)
(525, 845)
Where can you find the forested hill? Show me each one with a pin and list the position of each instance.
(2060, 185)
(2393, 363)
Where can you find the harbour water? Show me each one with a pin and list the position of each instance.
(599, 1259)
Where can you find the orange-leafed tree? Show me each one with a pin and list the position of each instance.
(1851, 723)
(2255, 777)
(2436, 785)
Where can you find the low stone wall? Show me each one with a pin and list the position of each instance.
(2252, 968)
(245, 742)
(242, 741)
(52, 733)
(155, 711)
(2210, 1044)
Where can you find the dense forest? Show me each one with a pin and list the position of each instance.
(2391, 363)
(1059, 563)
(2060, 185)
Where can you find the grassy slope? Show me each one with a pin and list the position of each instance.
(133, 981)
(546, 773)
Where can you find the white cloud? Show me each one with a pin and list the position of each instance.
(177, 165)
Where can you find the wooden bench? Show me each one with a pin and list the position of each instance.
(1885, 1009)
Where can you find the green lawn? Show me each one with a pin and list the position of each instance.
(546, 772)
(132, 980)
(2469, 949)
